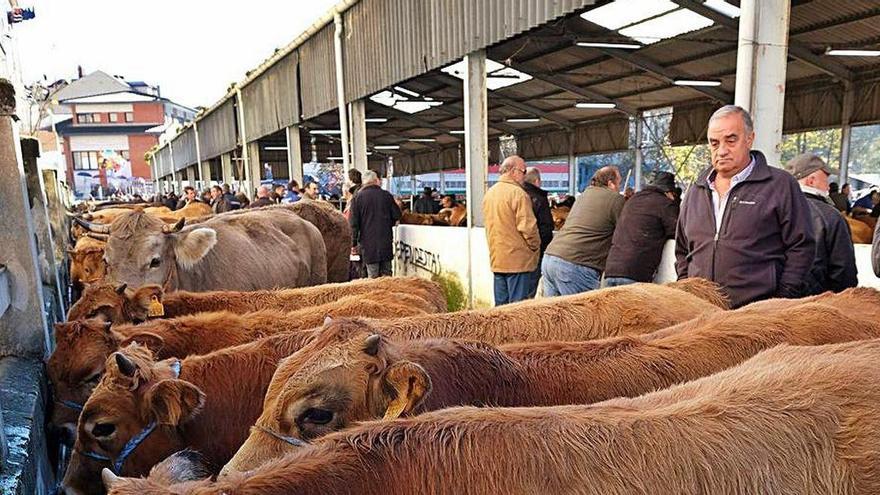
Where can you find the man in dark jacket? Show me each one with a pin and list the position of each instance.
(744, 224)
(219, 203)
(263, 198)
(834, 267)
(426, 204)
(645, 224)
(373, 215)
(541, 207)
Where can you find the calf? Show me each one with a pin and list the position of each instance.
(789, 420)
(349, 373)
(120, 304)
(82, 347)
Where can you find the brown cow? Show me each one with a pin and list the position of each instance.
(789, 420)
(87, 260)
(82, 347)
(860, 231)
(350, 373)
(120, 304)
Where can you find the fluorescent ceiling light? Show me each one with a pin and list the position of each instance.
(334, 158)
(667, 26)
(723, 7)
(376, 120)
(694, 82)
(595, 105)
(853, 53)
(406, 91)
(386, 147)
(457, 131)
(422, 140)
(622, 13)
(275, 148)
(325, 131)
(619, 46)
(497, 75)
(523, 120)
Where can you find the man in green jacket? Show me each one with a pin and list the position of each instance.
(512, 233)
(575, 260)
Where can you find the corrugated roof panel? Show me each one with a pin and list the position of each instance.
(318, 73)
(184, 149)
(271, 102)
(217, 131)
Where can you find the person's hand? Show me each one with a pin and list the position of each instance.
(354, 251)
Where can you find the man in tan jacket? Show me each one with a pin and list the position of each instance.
(512, 233)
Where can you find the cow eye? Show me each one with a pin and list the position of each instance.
(93, 378)
(101, 430)
(154, 262)
(317, 416)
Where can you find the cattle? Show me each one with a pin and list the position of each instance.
(87, 260)
(255, 250)
(455, 216)
(82, 346)
(789, 420)
(207, 405)
(628, 310)
(122, 304)
(860, 231)
(560, 215)
(352, 373)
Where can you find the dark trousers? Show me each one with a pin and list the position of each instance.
(512, 287)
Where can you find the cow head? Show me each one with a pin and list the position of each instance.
(143, 250)
(135, 395)
(178, 474)
(77, 364)
(349, 373)
(87, 260)
(116, 303)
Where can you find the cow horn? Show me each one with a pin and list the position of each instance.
(108, 478)
(120, 289)
(71, 213)
(170, 229)
(125, 365)
(88, 216)
(93, 227)
(371, 344)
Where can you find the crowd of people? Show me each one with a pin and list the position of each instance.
(222, 198)
(757, 230)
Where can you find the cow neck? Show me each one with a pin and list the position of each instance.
(133, 443)
(172, 276)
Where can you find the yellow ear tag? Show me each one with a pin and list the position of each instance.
(156, 308)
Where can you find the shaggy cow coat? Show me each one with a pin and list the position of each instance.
(790, 420)
(433, 374)
(125, 305)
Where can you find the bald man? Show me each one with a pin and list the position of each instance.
(512, 233)
(263, 198)
(575, 259)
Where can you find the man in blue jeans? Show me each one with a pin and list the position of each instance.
(575, 259)
(512, 233)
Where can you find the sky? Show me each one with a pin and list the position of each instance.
(192, 49)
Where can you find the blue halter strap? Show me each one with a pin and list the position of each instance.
(76, 406)
(133, 443)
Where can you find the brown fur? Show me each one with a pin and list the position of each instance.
(132, 305)
(258, 249)
(87, 261)
(230, 383)
(560, 215)
(789, 420)
(628, 310)
(528, 374)
(860, 231)
(83, 346)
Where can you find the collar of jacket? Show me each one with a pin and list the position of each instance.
(818, 197)
(528, 186)
(512, 182)
(760, 172)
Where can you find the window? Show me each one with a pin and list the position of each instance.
(85, 160)
(114, 117)
(129, 116)
(84, 118)
(96, 117)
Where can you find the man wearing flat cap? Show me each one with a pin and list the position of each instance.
(645, 224)
(834, 267)
(744, 224)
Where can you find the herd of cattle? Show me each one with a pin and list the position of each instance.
(191, 374)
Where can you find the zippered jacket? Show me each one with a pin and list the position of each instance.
(765, 246)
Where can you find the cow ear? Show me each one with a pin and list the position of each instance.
(173, 402)
(372, 343)
(150, 340)
(406, 385)
(193, 245)
(143, 295)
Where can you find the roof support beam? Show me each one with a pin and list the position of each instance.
(796, 50)
(668, 75)
(562, 82)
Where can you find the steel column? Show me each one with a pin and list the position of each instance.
(359, 134)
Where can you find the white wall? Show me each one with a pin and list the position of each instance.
(98, 143)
